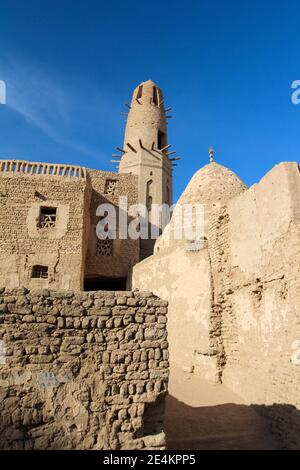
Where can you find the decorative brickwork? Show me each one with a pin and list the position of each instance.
(105, 247)
(110, 187)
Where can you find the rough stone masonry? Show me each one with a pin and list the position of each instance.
(84, 370)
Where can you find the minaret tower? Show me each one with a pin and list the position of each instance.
(146, 151)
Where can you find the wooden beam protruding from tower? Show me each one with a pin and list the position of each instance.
(167, 110)
(171, 153)
(131, 147)
(128, 105)
(165, 148)
(174, 159)
(115, 155)
(121, 150)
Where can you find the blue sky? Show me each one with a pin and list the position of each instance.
(225, 67)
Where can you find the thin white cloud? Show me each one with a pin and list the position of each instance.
(45, 103)
(2, 92)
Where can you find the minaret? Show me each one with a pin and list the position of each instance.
(146, 150)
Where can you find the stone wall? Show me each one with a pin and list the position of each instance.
(24, 244)
(82, 370)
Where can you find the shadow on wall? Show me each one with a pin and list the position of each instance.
(231, 427)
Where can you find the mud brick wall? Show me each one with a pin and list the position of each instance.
(257, 255)
(82, 370)
(23, 244)
(125, 252)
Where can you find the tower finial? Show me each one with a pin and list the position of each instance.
(211, 155)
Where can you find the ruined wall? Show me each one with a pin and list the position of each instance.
(183, 277)
(234, 306)
(82, 371)
(257, 257)
(24, 189)
(117, 261)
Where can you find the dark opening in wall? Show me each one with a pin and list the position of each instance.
(105, 283)
(161, 139)
(155, 96)
(39, 272)
(149, 196)
(47, 217)
(168, 195)
(140, 92)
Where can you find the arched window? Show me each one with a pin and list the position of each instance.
(140, 92)
(161, 139)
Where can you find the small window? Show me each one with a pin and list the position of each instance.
(155, 97)
(110, 187)
(39, 272)
(140, 92)
(149, 195)
(104, 247)
(161, 139)
(48, 217)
